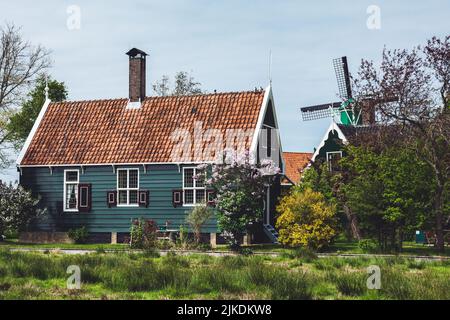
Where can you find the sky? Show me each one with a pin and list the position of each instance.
(225, 45)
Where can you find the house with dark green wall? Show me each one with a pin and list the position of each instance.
(330, 148)
(338, 135)
(103, 163)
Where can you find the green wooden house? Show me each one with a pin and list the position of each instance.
(331, 147)
(103, 163)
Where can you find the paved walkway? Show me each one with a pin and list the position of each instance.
(227, 253)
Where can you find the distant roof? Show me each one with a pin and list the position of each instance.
(349, 130)
(107, 132)
(295, 162)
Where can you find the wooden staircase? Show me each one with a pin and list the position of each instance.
(271, 233)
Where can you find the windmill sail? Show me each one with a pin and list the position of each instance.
(319, 111)
(343, 77)
(345, 109)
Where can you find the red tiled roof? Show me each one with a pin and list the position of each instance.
(106, 132)
(295, 162)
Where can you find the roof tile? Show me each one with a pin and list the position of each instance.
(295, 162)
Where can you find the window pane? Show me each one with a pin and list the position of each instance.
(133, 197)
(71, 196)
(199, 196)
(333, 161)
(133, 181)
(71, 176)
(122, 197)
(122, 178)
(189, 196)
(188, 178)
(200, 179)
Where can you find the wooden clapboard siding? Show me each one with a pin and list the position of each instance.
(160, 180)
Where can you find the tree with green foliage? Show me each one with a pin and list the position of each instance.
(319, 178)
(20, 123)
(389, 191)
(419, 80)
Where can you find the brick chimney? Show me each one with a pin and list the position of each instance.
(368, 112)
(137, 75)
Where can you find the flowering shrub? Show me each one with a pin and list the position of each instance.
(17, 208)
(239, 184)
(305, 219)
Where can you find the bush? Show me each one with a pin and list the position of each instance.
(368, 245)
(306, 219)
(183, 240)
(79, 235)
(17, 208)
(143, 234)
(197, 217)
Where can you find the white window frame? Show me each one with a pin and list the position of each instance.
(65, 189)
(194, 188)
(328, 160)
(127, 189)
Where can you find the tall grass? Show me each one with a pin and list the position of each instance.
(41, 276)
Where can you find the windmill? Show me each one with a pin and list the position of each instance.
(345, 110)
(348, 111)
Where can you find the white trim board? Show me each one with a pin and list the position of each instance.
(32, 132)
(262, 113)
(65, 189)
(268, 97)
(127, 189)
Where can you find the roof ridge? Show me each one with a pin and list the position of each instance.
(166, 97)
(299, 152)
(90, 100)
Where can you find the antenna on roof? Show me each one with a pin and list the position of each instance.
(46, 87)
(270, 66)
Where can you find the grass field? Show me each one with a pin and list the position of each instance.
(292, 275)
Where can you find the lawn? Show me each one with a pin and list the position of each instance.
(340, 246)
(409, 248)
(294, 275)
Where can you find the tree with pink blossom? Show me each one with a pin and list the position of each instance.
(239, 183)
